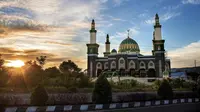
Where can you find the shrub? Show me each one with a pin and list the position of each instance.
(39, 96)
(177, 83)
(165, 90)
(188, 84)
(136, 97)
(157, 83)
(73, 89)
(102, 92)
(66, 99)
(85, 82)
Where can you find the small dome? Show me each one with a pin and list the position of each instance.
(114, 51)
(129, 45)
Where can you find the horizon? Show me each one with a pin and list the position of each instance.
(60, 30)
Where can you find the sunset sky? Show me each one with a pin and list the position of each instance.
(59, 29)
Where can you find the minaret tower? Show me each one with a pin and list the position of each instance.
(92, 51)
(107, 46)
(158, 48)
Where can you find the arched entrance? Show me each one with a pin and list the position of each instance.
(122, 72)
(132, 72)
(151, 73)
(99, 72)
(142, 73)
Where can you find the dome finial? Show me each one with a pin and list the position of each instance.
(128, 32)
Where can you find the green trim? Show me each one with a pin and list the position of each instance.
(93, 30)
(157, 26)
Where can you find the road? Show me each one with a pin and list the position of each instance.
(192, 107)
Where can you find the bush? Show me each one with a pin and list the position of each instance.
(177, 83)
(165, 90)
(136, 97)
(102, 92)
(157, 83)
(39, 96)
(85, 82)
(68, 99)
(188, 84)
(73, 89)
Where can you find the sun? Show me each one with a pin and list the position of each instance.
(15, 63)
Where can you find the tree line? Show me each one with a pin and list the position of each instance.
(34, 73)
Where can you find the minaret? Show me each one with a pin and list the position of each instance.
(93, 33)
(157, 28)
(158, 48)
(92, 51)
(107, 46)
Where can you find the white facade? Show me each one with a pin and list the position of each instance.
(107, 47)
(158, 33)
(92, 37)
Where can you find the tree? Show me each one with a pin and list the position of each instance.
(4, 76)
(102, 92)
(1, 62)
(39, 96)
(32, 74)
(68, 68)
(41, 60)
(52, 72)
(165, 90)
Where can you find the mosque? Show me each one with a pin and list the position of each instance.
(128, 60)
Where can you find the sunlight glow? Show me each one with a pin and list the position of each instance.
(15, 63)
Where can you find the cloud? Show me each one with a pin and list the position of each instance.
(119, 2)
(133, 31)
(191, 2)
(184, 57)
(57, 43)
(163, 18)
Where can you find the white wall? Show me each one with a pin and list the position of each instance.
(158, 34)
(93, 38)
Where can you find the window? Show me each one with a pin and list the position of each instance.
(159, 48)
(113, 64)
(106, 65)
(99, 65)
(151, 64)
(142, 64)
(121, 61)
(131, 64)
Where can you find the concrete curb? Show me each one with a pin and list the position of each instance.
(96, 107)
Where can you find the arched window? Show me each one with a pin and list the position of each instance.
(106, 65)
(99, 65)
(142, 65)
(121, 63)
(113, 65)
(151, 65)
(131, 64)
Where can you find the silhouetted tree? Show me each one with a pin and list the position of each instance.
(4, 76)
(165, 90)
(39, 96)
(33, 74)
(41, 60)
(69, 69)
(1, 62)
(102, 92)
(52, 72)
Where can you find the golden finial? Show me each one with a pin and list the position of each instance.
(128, 32)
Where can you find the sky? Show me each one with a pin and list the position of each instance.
(59, 29)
